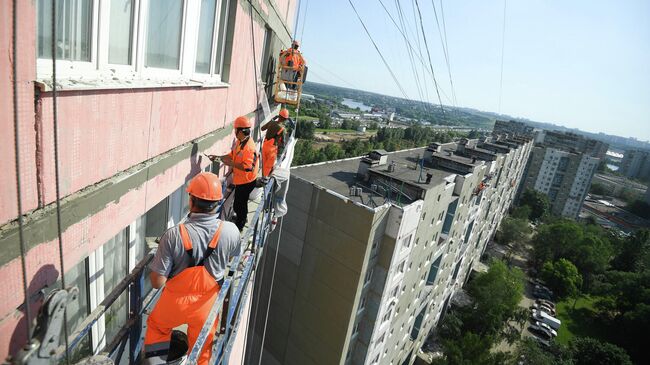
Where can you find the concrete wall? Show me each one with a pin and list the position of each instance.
(120, 150)
(326, 243)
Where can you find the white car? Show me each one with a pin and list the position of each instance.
(546, 327)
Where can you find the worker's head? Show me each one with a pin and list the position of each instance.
(205, 192)
(242, 128)
(295, 44)
(284, 114)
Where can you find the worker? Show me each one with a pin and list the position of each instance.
(273, 141)
(243, 161)
(294, 62)
(190, 263)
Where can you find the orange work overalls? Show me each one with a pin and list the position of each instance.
(270, 153)
(186, 299)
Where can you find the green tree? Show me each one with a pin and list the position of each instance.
(640, 208)
(521, 212)
(513, 230)
(633, 252)
(562, 277)
(470, 349)
(589, 351)
(538, 203)
(305, 130)
(496, 296)
(598, 189)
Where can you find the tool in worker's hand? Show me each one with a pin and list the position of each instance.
(212, 157)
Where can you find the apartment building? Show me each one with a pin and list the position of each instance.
(144, 88)
(513, 128)
(374, 248)
(636, 164)
(562, 166)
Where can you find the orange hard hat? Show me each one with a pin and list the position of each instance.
(242, 122)
(295, 43)
(205, 186)
(284, 113)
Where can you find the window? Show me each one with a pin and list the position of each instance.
(362, 303)
(164, 28)
(120, 34)
(134, 39)
(400, 268)
(368, 277)
(73, 29)
(406, 241)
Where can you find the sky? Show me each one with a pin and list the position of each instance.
(580, 63)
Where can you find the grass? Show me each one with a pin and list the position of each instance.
(579, 321)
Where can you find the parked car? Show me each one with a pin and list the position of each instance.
(547, 303)
(544, 317)
(544, 308)
(542, 342)
(540, 332)
(542, 295)
(547, 327)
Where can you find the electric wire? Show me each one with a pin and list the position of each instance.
(503, 41)
(426, 45)
(443, 42)
(304, 20)
(390, 70)
(408, 49)
(57, 179)
(19, 200)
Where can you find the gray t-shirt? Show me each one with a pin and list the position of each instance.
(170, 258)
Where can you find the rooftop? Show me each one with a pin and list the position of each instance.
(339, 176)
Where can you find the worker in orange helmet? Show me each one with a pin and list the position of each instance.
(190, 263)
(273, 141)
(294, 62)
(243, 161)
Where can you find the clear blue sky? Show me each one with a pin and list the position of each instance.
(579, 63)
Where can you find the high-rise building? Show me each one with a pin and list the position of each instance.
(374, 248)
(636, 164)
(561, 165)
(513, 128)
(144, 88)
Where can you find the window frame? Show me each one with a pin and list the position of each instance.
(100, 71)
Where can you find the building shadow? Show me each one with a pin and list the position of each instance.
(44, 278)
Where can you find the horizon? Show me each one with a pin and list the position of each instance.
(505, 116)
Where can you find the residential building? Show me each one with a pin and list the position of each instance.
(512, 127)
(561, 165)
(144, 88)
(374, 248)
(636, 164)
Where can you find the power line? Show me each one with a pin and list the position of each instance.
(304, 20)
(408, 49)
(378, 51)
(503, 41)
(426, 45)
(445, 51)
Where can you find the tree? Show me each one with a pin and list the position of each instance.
(633, 252)
(531, 353)
(562, 277)
(496, 296)
(538, 203)
(589, 351)
(553, 240)
(521, 212)
(305, 130)
(598, 189)
(640, 208)
(470, 349)
(513, 230)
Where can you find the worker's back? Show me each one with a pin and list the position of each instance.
(201, 228)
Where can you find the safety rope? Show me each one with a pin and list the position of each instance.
(57, 182)
(21, 233)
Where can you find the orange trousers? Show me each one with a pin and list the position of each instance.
(269, 155)
(186, 299)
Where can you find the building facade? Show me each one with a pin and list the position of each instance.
(562, 165)
(636, 164)
(144, 88)
(374, 248)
